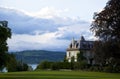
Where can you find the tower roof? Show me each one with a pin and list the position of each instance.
(82, 38)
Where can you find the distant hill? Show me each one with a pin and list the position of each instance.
(36, 56)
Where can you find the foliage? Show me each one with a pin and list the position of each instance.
(100, 56)
(44, 65)
(96, 68)
(80, 56)
(83, 64)
(5, 33)
(21, 66)
(13, 65)
(55, 66)
(65, 60)
(80, 65)
(6, 59)
(106, 26)
(108, 69)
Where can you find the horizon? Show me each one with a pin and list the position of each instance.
(48, 24)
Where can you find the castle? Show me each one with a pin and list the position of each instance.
(78, 46)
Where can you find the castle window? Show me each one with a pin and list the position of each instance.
(77, 45)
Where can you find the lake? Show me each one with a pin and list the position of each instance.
(33, 66)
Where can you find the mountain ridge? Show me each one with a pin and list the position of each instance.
(37, 56)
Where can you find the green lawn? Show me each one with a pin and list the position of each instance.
(59, 75)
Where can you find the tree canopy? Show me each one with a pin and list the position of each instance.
(5, 33)
(106, 24)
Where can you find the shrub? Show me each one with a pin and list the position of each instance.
(94, 68)
(117, 69)
(108, 69)
(55, 66)
(44, 65)
(83, 64)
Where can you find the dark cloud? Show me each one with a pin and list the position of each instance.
(20, 23)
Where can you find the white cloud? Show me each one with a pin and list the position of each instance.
(46, 30)
(48, 13)
(47, 41)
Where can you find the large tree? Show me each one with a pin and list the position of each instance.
(5, 33)
(106, 26)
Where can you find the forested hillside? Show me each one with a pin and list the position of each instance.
(36, 56)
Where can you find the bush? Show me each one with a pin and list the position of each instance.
(83, 64)
(117, 69)
(65, 65)
(76, 66)
(56, 66)
(111, 69)
(108, 69)
(44, 65)
(94, 68)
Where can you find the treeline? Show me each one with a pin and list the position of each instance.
(46, 65)
(82, 64)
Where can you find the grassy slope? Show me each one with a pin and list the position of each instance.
(59, 75)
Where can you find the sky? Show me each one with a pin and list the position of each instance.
(48, 24)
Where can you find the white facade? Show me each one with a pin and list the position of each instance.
(76, 47)
(71, 54)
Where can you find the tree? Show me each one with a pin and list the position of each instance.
(5, 33)
(100, 56)
(80, 56)
(21, 66)
(106, 26)
(12, 63)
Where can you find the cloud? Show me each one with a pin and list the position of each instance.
(48, 12)
(46, 29)
(47, 41)
(21, 23)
